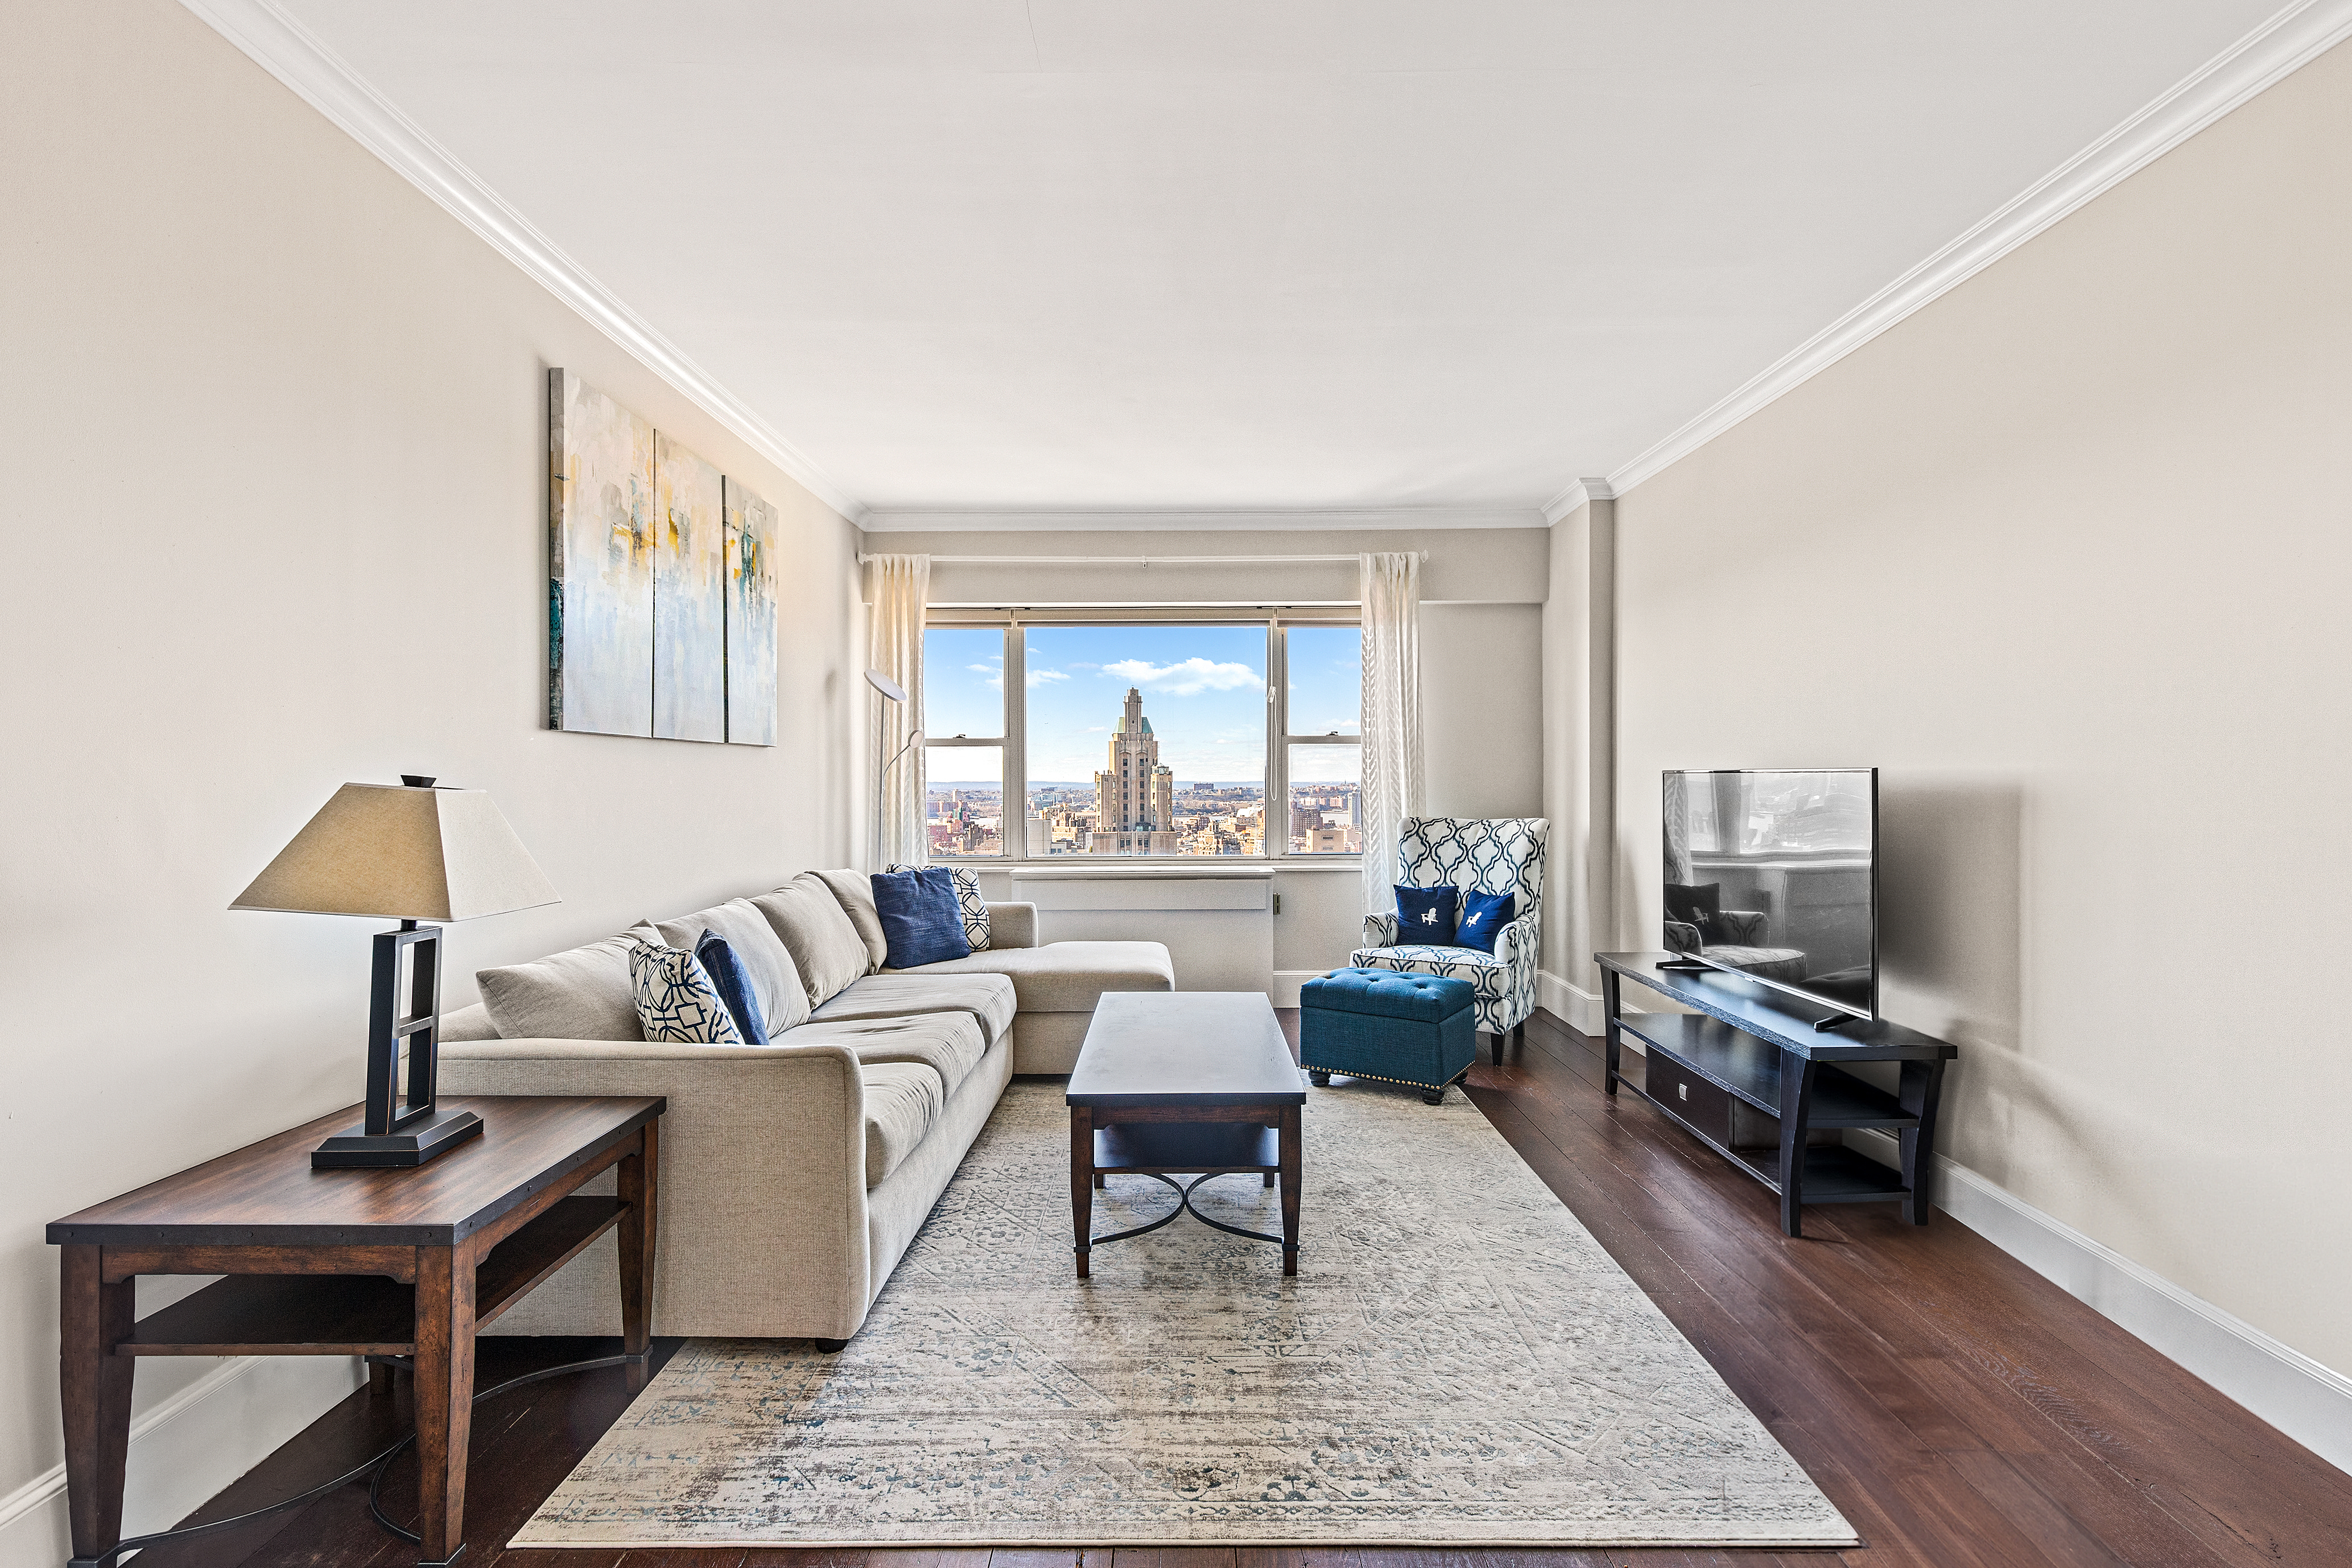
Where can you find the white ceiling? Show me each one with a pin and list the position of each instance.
(1242, 253)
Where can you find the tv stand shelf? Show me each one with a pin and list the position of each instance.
(1750, 1076)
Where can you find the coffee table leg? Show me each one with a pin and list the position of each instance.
(444, 1394)
(1290, 1164)
(1082, 1180)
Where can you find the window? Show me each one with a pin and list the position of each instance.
(963, 740)
(1152, 739)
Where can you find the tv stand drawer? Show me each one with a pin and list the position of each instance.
(1687, 1096)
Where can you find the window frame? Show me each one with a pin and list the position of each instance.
(1014, 740)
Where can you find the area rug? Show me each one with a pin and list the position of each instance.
(1457, 1362)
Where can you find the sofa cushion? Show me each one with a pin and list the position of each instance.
(970, 908)
(825, 948)
(677, 1002)
(989, 999)
(581, 994)
(1066, 976)
(856, 897)
(921, 920)
(949, 1044)
(468, 1024)
(767, 963)
(902, 1101)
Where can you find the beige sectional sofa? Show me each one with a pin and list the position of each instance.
(794, 1174)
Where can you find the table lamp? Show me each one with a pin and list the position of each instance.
(408, 852)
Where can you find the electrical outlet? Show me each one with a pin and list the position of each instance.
(1278, 903)
(1682, 1090)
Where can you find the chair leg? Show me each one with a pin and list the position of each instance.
(1498, 1039)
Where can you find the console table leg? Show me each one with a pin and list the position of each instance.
(1796, 1107)
(1610, 1042)
(1082, 1184)
(93, 1317)
(1921, 1087)
(637, 1184)
(444, 1396)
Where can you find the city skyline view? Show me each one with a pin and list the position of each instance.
(1202, 696)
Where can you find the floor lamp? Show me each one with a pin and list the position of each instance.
(891, 692)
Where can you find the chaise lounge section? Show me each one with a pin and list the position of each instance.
(794, 1174)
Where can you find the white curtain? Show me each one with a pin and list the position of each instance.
(1391, 593)
(900, 587)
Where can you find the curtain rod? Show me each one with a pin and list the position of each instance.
(1130, 560)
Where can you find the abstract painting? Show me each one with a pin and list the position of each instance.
(599, 601)
(689, 665)
(751, 618)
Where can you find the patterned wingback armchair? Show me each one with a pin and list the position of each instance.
(1496, 854)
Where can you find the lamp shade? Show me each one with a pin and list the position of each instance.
(403, 853)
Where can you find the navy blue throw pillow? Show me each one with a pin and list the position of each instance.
(1484, 916)
(1425, 915)
(921, 917)
(734, 988)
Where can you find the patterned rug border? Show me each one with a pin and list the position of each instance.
(1615, 1355)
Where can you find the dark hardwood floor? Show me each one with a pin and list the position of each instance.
(1963, 1412)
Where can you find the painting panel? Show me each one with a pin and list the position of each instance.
(601, 547)
(751, 618)
(690, 660)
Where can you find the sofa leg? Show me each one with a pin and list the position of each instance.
(830, 1346)
(1319, 1079)
(1433, 1097)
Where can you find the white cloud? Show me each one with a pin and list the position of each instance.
(1039, 677)
(1188, 679)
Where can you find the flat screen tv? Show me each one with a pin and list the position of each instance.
(1772, 873)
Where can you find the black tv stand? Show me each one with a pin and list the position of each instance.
(1751, 1075)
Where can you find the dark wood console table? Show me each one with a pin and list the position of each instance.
(400, 1266)
(1749, 1076)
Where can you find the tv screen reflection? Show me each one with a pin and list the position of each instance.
(1772, 874)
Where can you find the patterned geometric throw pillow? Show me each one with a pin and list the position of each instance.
(969, 903)
(677, 1002)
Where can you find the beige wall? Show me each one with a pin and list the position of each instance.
(1482, 653)
(2065, 556)
(278, 502)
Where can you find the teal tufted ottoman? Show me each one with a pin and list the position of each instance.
(1388, 1024)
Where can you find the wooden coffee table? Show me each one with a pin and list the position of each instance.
(1197, 1083)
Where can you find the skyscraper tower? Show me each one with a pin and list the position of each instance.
(1135, 797)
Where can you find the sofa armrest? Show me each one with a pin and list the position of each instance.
(761, 1213)
(1380, 931)
(1012, 925)
(1519, 940)
(1743, 928)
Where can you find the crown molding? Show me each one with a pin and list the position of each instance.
(2273, 51)
(1130, 519)
(291, 53)
(1579, 492)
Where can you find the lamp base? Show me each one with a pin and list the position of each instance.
(429, 1139)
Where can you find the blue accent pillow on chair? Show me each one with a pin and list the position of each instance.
(1484, 916)
(734, 988)
(921, 921)
(1425, 915)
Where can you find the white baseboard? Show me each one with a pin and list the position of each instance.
(1286, 983)
(2309, 1402)
(185, 1449)
(1578, 1008)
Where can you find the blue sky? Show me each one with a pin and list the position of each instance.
(1204, 689)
